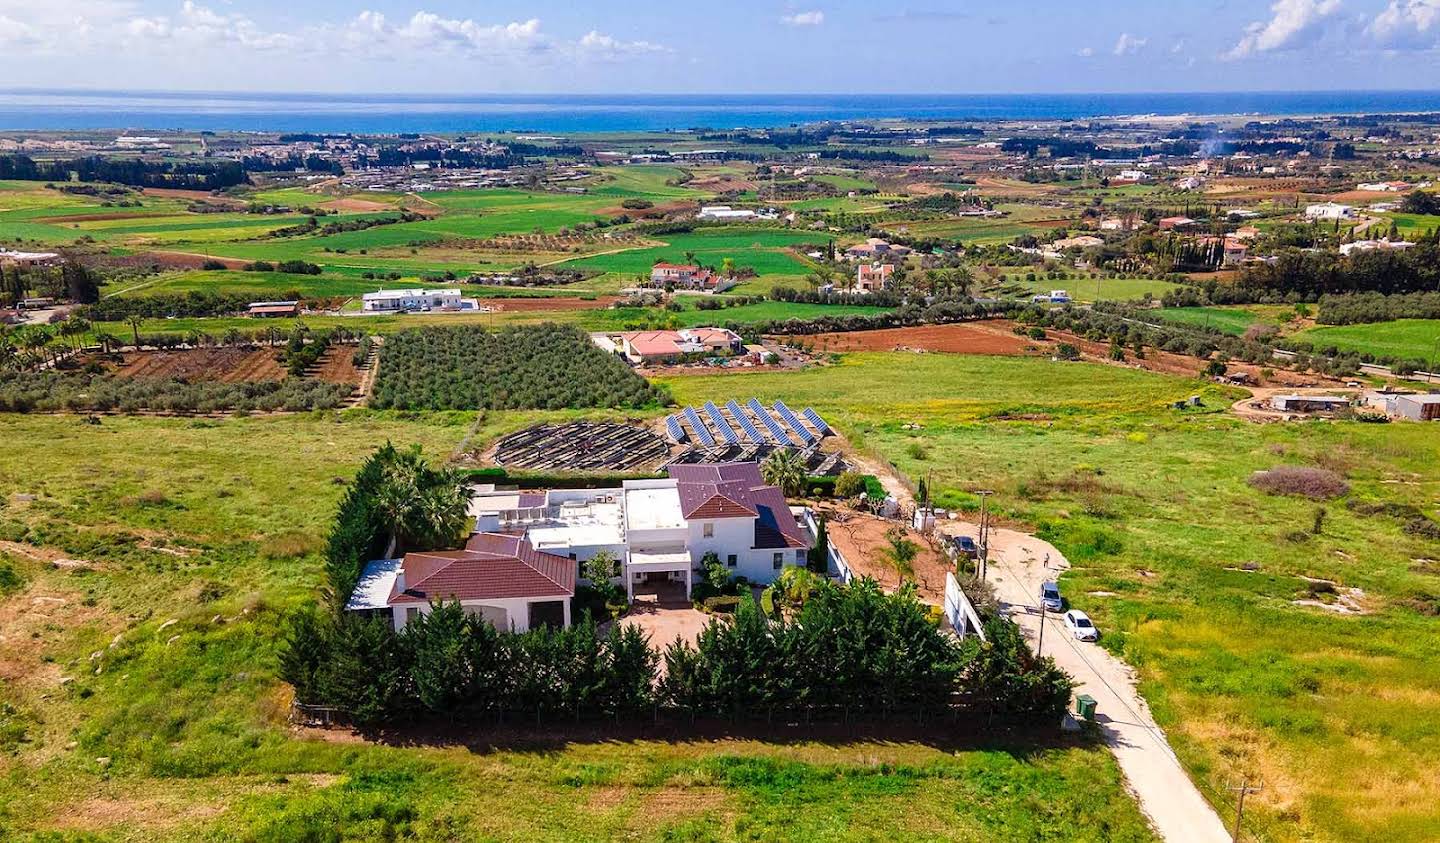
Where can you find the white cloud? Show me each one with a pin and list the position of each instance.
(201, 26)
(1129, 45)
(1085, 52)
(1177, 48)
(1293, 23)
(116, 27)
(811, 18)
(599, 45)
(1411, 24)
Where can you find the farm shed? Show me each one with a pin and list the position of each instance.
(1418, 407)
(1309, 403)
(273, 309)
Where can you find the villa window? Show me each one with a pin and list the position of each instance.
(732, 560)
(411, 613)
(779, 560)
(708, 530)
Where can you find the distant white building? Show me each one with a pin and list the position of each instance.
(725, 212)
(1386, 187)
(1133, 175)
(1385, 244)
(395, 301)
(1330, 211)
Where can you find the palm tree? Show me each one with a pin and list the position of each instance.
(106, 340)
(135, 320)
(423, 506)
(902, 552)
(784, 468)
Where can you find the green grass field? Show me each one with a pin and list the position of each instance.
(1410, 339)
(177, 730)
(1152, 507)
(1228, 320)
(1098, 289)
(760, 249)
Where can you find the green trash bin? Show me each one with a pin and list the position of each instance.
(1085, 706)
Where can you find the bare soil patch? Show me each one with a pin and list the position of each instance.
(124, 215)
(990, 337)
(519, 304)
(226, 365)
(351, 203)
(189, 260)
(721, 184)
(233, 365)
(658, 210)
(196, 195)
(860, 538)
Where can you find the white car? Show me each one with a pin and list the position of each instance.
(1080, 626)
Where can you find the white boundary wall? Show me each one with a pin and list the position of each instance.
(959, 611)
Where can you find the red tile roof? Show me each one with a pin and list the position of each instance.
(492, 566)
(736, 490)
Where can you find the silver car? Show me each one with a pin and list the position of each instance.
(1050, 597)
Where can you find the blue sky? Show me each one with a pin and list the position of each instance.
(741, 46)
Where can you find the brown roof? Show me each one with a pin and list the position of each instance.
(736, 490)
(492, 566)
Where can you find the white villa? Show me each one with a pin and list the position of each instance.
(520, 567)
(1330, 211)
(385, 301)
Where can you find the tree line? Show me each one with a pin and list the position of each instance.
(136, 172)
(847, 651)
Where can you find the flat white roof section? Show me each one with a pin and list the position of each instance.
(653, 509)
(658, 560)
(372, 591)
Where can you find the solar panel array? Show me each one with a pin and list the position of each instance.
(815, 420)
(777, 433)
(738, 414)
(701, 432)
(794, 423)
(672, 426)
(722, 427)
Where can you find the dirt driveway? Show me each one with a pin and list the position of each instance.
(1165, 792)
(664, 624)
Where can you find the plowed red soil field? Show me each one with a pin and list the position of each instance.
(968, 338)
(519, 303)
(233, 365)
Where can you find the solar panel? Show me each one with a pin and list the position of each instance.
(721, 426)
(751, 432)
(814, 418)
(777, 432)
(794, 423)
(698, 426)
(672, 425)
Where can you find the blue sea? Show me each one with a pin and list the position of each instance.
(570, 114)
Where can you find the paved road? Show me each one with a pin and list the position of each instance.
(1165, 792)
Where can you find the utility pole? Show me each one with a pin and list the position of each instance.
(984, 533)
(1040, 645)
(1243, 790)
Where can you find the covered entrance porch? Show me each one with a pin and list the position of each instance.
(665, 574)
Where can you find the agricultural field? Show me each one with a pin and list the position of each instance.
(1098, 289)
(1228, 320)
(764, 250)
(181, 732)
(267, 286)
(1192, 574)
(543, 367)
(1407, 339)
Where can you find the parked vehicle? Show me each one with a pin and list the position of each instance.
(966, 547)
(1050, 597)
(1080, 626)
